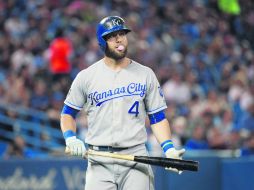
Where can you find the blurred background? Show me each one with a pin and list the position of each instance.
(201, 51)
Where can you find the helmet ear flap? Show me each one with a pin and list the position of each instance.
(108, 25)
(102, 44)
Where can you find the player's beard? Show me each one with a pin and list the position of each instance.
(111, 53)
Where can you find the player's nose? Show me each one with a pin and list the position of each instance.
(119, 37)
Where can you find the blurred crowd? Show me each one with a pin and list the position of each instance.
(203, 58)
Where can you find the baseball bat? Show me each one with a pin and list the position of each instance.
(157, 161)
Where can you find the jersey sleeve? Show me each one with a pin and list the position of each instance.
(76, 97)
(154, 100)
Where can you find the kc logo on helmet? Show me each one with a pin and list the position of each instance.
(113, 23)
(117, 22)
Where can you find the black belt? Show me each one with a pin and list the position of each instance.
(106, 148)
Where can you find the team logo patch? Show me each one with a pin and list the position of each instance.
(161, 91)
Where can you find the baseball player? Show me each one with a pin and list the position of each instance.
(117, 94)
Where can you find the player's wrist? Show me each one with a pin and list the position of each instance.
(166, 145)
(69, 134)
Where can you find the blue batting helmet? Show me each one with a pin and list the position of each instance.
(108, 25)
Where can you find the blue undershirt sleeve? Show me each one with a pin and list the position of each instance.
(156, 117)
(70, 111)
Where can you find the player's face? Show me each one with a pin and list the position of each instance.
(116, 45)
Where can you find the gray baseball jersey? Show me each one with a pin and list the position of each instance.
(116, 103)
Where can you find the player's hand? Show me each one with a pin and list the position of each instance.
(75, 146)
(175, 154)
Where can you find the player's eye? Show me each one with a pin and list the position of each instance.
(110, 36)
(113, 35)
(122, 33)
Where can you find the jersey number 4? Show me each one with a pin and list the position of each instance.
(134, 108)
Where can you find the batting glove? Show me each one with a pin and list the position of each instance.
(175, 154)
(75, 146)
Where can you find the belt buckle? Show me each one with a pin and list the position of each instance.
(95, 148)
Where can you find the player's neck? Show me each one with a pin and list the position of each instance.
(117, 65)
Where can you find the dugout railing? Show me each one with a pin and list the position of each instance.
(32, 125)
